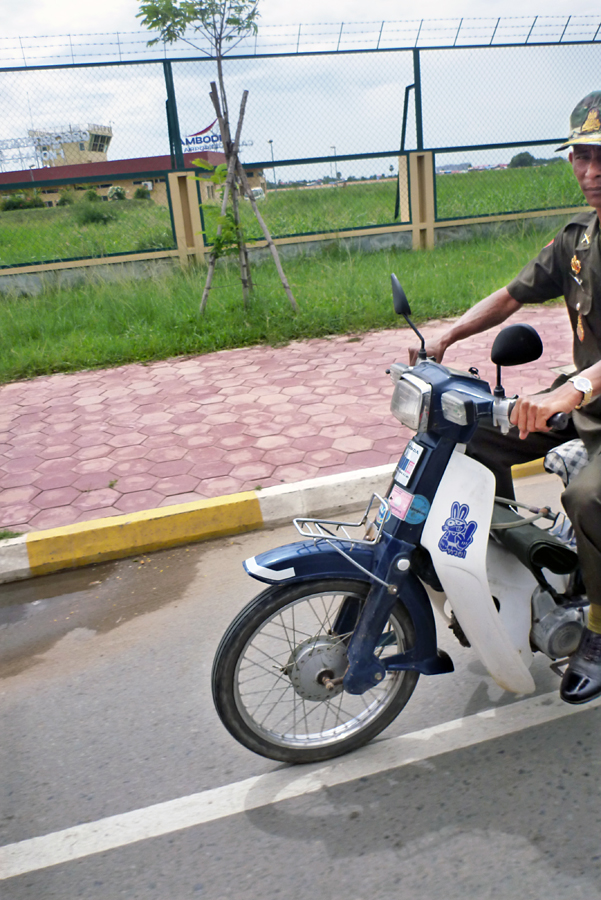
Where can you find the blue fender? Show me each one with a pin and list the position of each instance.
(308, 560)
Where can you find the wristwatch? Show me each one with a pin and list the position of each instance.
(584, 385)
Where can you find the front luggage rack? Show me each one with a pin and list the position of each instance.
(326, 529)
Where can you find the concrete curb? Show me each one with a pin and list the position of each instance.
(44, 552)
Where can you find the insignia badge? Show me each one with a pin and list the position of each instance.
(585, 239)
(576, 265)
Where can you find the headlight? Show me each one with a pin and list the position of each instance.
(411, 402)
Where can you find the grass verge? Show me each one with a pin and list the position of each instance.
(100, 325)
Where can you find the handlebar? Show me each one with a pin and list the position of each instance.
(502, 412)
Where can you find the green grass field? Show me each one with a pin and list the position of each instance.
(101, 324)
(495, 191)
(365, 204)
(40, 235)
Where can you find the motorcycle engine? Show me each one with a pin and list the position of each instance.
(555, 629)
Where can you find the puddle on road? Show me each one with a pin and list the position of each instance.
(36, 613)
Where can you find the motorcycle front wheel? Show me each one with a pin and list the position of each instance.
(274, 671)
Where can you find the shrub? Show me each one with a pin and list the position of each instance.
(66, 198)
(91, 196)
(116, 192)
(21, 201)
(141, 193)
(92, 213)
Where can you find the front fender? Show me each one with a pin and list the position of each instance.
(307, 560)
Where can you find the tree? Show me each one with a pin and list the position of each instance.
(223, 23)
(521, 160)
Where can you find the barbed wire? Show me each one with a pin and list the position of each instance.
(275, 40)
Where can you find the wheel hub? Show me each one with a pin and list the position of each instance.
(314, 660)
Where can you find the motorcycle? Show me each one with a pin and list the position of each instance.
(328, 655)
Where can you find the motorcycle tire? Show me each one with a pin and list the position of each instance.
(269, 668)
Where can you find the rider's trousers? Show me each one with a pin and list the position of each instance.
(581, 499)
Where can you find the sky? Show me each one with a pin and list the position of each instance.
(303, 107)
(41, 17)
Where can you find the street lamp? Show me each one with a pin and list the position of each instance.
(335, 164)
(273, 164)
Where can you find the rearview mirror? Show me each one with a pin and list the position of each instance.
(516, 345)
(399, 298)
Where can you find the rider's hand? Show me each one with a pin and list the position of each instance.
(435, 351)
(532, 413)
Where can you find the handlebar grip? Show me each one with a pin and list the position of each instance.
(558, 421)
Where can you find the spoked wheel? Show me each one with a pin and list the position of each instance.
(278, 668)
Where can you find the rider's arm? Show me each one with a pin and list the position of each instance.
(487, 313)
(532, 413)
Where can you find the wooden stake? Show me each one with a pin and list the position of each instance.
(268, 238)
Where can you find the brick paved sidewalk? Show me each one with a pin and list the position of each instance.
(113, 441)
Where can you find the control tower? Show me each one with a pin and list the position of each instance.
(62, 146)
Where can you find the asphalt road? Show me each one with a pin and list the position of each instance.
(105, 709)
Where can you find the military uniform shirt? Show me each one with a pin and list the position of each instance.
(570, 266)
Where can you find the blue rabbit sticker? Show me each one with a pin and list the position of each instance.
(458, 533)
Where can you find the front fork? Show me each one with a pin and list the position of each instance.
(394, 580)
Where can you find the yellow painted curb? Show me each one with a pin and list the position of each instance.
(534, 467)
(119, 536)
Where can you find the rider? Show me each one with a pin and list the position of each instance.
(570, 266)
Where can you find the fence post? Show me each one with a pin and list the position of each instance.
(421, 180)
(417, 82)
(175, 141)
(186, 217)
(404, 208)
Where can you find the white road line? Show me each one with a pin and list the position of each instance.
(284, 784)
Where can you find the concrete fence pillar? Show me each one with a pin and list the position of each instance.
(186, 217)
(421, 180)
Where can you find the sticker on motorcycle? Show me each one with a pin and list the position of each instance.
(399, 501)
(383, 514)
(408, 507)
(458, 533)
(407, 463)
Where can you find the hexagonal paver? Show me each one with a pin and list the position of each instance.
(178, 484)
(127, 439)
(297, 472)
(15, 495)
(102, 464)
(17, 513)
(52, 499)
(273, 441)
(94, 481)
(166, 454)
(325, 458)
(217, 487)
(17, 479)
(284, 456)
(138, 501)
(352, 444)
(126, 454)
(245, 455)
(105, 497)
(233, 442)
(171, 468)
(211, 469)
(54, 518)
(93, 451)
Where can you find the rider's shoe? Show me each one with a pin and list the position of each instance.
(581, 681)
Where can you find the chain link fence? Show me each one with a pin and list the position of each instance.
(86, 148)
